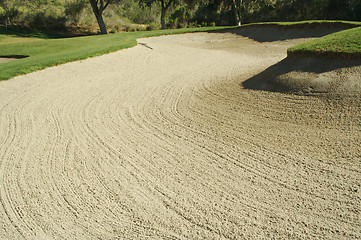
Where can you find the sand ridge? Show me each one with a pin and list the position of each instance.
(165, 143)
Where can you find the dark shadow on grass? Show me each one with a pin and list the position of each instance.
(16, 31)
(14, 56)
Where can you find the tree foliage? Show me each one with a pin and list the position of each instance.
(74, 10)
(165, 5)
(133, 15)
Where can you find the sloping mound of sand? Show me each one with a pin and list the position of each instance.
(302, 74)
(310, 76)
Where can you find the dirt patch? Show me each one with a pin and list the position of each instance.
(160, 141)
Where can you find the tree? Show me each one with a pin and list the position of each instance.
(98, 6)
(8, 11)
(237, 11)
(73, 10)
(165, 4)
(239, 5)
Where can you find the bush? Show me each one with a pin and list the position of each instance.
(140, 28)
(8, 14)
(73, 11)
(47, 20)
(131, 10)
(153, 26)
(130, 28)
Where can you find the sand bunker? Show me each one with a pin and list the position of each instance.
(161, 141)
(4, 59)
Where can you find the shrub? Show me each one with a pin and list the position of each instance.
(73, 11)
(140, 28)
(130, 28)
(47, 20)
(152, 26)
(8, 14)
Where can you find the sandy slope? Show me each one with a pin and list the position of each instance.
(4, 60)
(165, 143)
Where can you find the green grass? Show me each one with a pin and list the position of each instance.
(344, 44)
(45, 51)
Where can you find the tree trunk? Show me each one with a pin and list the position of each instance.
(165, 6)
(162, 16)
(103, 28)
(98, 11)
(237, 11)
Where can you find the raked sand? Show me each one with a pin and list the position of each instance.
(162, 141)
